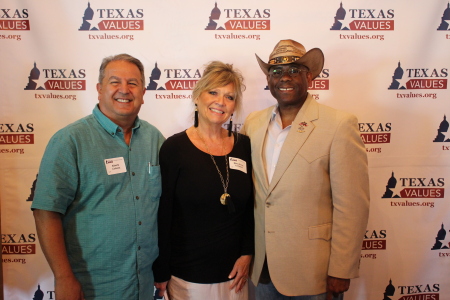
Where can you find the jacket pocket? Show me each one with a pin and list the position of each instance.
(320, 232)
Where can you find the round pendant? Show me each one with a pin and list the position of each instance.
(223, 198)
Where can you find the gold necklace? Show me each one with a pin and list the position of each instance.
(225, 195)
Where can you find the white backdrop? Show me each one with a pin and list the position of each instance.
(385, 61)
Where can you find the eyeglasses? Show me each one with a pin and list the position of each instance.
(292, 71)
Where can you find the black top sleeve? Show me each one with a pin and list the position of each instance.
(168, 159)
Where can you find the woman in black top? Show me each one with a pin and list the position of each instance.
(205, 218)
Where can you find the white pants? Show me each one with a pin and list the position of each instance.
(180, 289)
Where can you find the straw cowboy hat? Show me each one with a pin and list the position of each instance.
(292, 52)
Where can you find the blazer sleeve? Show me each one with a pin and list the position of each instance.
(350, 195)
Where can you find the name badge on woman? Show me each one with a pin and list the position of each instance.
(238, 164)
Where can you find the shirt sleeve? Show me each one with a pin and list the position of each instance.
(58, 178)
(168, 157)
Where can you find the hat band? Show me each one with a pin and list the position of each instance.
(283, 60)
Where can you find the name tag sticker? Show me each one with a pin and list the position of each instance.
(238, 164)
(115, 165)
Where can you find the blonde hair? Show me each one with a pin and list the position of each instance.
(218, 74)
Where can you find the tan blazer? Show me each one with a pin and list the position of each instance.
(311, 219)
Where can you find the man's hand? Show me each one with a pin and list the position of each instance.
(68, 288)
(336, 286)
(240, 272)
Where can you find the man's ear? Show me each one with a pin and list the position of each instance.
(309, 78)
(99, 89)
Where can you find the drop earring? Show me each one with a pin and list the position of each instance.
(196, 116)
(230, 125)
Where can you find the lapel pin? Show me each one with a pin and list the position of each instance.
(302, 126)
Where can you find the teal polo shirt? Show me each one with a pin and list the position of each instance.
(109, 212)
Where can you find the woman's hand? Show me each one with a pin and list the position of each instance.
(240, 272)
(161, 287)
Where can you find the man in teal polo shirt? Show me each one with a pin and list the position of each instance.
(97, 195)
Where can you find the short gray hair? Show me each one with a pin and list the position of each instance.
(125, 57)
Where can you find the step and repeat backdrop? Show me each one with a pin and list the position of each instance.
(387, 62)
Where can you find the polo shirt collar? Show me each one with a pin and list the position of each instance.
(111, 127)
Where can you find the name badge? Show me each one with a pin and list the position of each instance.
(115, 165)
(238, 164)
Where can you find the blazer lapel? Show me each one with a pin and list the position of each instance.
(301, 129)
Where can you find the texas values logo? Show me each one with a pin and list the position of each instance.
(424, 291)
(363, 19)
(15, 243)
(238, 19)
(442, 241)
(375, 133)
(15, 134)
(112, 19)
(443, 135)
(419, 78)
(445, 20)
(374, 240)
(322, 81)
(39, 294)
(33, 189)
(177, 79)
(14, 19)
(414, 188)
(56, 79)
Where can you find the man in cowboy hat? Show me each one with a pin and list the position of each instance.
(311, 185)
